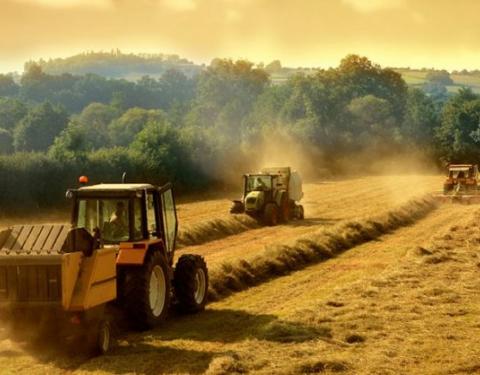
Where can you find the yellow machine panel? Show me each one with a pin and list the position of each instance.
(96, 282)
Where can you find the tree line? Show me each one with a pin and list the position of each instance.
(199, 130)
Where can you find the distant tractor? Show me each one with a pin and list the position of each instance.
(461, 179)
(461, 184)
(271, 196)
(119, 249)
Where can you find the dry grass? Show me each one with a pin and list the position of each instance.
(280, 259)
(395, 304)
(214, 229)
(327, 204)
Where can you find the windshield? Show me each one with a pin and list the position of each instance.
(259, 183)
(110, 216)
(459, 172)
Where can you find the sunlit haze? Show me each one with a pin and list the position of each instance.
(400, 33)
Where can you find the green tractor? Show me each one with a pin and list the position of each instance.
(271, 196)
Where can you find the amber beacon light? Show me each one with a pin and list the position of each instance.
(83, 180)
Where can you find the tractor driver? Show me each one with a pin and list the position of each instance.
(118, 222)
(259, 184)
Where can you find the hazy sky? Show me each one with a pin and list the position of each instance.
(417, 33)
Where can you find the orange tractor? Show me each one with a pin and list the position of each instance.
(119, 249)
(461, 184)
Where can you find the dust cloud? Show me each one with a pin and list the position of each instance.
(279, 149)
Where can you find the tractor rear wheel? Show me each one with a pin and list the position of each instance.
(147, 292)
(271, 214)
(191, 283)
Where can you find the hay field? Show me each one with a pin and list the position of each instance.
(396, 295)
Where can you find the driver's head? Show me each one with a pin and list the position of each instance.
(120, 208)
(259, 180)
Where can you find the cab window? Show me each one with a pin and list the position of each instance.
(137, 220)
(169, 219)
(109, 216)
(151, 217)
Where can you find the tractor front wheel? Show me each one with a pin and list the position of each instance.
(101, 339)
(191, 283)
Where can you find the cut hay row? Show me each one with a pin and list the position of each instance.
(214, 229)
(280, 259)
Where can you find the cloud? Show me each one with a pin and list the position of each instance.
(69, 3)
(180, 5)
(367, 6)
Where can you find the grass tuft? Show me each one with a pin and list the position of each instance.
(323, 366)
(225, 365)
(287, 332)
(354, 339)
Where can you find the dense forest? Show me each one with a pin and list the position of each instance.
(203, 129)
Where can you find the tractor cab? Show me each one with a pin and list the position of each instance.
(120, 213)
(258, 182)
(259, 189)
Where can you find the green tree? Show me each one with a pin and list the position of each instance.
(95, 120)
(421, 119)
(441, 77)
(71, 143)
(6, 142)
(373, 122)
(11, 112)
(37, 130)
(176, 89)
(157, 145)
(459, 133)
(8, 87)
(358, 76)
(123, 130)
(226, 93)
(274, 67)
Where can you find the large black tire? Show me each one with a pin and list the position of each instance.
(271, 214)
(99, 340)
(146, 292)
(191, 283)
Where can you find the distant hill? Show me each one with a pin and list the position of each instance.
(130, 66)
(116, 64)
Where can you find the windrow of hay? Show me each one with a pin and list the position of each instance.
(280, 259)
(215, 229)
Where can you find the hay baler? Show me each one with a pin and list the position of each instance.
(271, 196)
